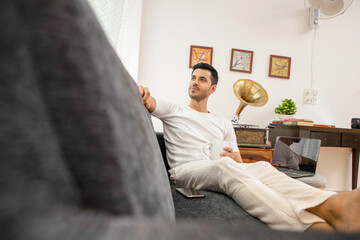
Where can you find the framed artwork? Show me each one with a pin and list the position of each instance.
(241, 60)
(200, 54)
(279, 66)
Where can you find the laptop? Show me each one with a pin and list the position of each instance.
(296, 157)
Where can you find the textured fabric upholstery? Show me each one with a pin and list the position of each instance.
(191, 230)
(214, 208)
(161, 141)
(73, 121)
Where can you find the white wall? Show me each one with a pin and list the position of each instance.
(277, 27)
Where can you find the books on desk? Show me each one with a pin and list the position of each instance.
(298, 119)
(324, 125)
(293, 122)
(275, 124)
(299, 122)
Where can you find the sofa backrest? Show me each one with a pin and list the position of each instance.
(161, 141)
(73, 127)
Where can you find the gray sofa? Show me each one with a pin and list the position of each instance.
(79, 159)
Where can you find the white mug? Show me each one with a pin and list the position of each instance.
(214, 148)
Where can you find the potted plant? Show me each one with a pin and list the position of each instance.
(286, 109)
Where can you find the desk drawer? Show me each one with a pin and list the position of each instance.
(327, 139)
(350, 140)
(251, 155)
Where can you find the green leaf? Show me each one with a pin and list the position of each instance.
(287, 107)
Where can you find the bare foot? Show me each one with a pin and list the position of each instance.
(344, 210)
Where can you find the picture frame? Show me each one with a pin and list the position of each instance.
(241, 60)
(279, 66)
(200, 54)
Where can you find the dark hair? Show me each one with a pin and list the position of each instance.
(206, 66)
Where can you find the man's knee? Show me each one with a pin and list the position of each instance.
(224, 162)
(264, 165)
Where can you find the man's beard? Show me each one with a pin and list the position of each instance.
(197, 97)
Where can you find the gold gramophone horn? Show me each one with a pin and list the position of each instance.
(249, 93)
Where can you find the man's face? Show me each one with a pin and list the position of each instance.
(200, 84)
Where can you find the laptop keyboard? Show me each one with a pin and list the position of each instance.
(294, 173)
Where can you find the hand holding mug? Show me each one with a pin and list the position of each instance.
(228, 152)
(217, 149)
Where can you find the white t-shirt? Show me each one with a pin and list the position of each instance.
(187, 131)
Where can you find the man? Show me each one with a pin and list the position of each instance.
(279, 201)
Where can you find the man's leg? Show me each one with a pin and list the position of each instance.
(273, 197)
(301, 195)
(231, 178)
(321, 227)
(342, 211)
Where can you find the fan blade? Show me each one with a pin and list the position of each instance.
(331, 7)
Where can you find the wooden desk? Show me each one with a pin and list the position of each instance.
(251, 155)
(330, 137)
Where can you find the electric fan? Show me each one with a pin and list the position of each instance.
(325, 9)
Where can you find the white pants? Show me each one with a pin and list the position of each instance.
(259, 188)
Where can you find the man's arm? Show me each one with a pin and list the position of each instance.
(148, 100)
(231, 138)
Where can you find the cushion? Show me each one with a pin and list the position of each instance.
(318, 181)
(73, 116)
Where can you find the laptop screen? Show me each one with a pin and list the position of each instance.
(297, 153)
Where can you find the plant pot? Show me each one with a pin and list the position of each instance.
(282, 117)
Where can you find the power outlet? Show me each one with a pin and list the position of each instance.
(310, 96)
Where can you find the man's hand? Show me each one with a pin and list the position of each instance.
(148, 100)
(233, 155)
